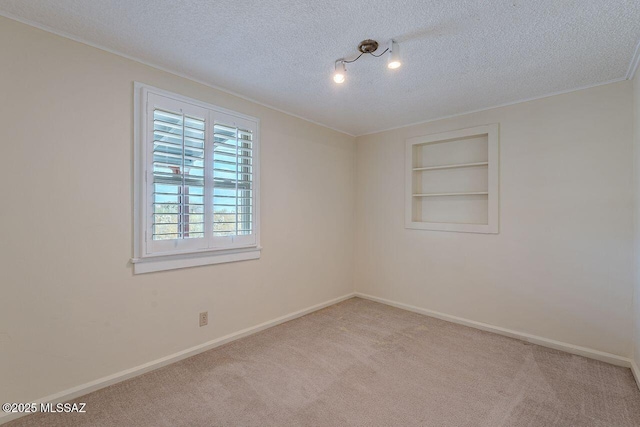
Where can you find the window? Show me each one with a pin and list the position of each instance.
(197, 183)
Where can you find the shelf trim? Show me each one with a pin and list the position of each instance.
(459, 165)
(473, 193)
(413, 192)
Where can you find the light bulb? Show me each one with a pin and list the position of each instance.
(394, 55)
(340, 72)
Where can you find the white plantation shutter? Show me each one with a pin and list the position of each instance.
(200, 178)
(233, 181)
(176, 179)
(178, 176)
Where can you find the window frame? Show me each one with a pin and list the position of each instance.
(221, 250)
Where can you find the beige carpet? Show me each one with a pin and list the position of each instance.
(359, 363)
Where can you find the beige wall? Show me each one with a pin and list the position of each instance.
(636, 146)
(70, 309)
(561, 267)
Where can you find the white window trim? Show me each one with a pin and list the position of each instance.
(146, 263)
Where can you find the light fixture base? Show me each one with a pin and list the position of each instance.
(368, 46)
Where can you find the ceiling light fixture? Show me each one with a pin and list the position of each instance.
(340, 71)
(394, 55)
(368, 46)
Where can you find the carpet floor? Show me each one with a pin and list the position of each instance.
(360, 363)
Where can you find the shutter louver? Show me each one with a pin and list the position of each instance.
(178, 176)
(232, 181)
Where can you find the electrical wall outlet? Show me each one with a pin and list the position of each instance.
(204, 318)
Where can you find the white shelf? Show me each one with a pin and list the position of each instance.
(474, 193)
(461, 165)
(461, 193)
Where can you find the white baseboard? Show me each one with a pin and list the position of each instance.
(545, 342)
(92, 386)
(636, 372)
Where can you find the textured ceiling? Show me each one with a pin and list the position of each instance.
(458, 56)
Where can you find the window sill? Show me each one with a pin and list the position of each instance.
(172, 262)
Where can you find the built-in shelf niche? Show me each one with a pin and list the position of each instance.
(452, 181)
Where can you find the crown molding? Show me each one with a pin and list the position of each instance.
(507, 104)
(162, 68)
(635, 60)
(633, 66)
